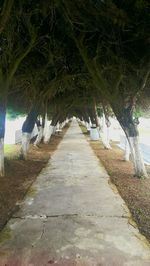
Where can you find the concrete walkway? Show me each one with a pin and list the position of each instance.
(72, 216)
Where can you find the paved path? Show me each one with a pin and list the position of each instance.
(72, 216)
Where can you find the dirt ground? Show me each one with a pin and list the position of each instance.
(19, 175)
(135, 192)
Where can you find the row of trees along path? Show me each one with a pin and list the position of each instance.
(64, 58)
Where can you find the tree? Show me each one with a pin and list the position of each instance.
(114, 46)
(24, 27)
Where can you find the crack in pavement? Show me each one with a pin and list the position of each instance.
(67, 215)
(40, 237)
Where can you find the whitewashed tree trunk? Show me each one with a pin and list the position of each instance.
(124, 115)
(48, 134)
(108, 138)
(137, 159)
(54, 130)
(67, 120)
(25, 144)
(61, 125)
(45, 126)
(105, 135)
(47, 131)
(82, 122)
(90, 123)
(58, 128)
(88, 126)
(39, 136)
(127, 151)
(2, 157)
(64, 123)
(3, 100)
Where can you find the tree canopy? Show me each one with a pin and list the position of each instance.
(75, 55)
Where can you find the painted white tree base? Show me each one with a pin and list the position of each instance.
(25, 144)
(137, 158)
(39, 136)
(127, 151)
(48, 134)
(2, 173)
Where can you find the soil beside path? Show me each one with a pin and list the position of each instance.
(72, 217)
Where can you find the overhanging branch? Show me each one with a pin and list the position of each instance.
(5, 14)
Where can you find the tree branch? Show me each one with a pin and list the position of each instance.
(5, 14)
(144, 81)
(20, 57)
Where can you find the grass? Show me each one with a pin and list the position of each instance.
(11, 150)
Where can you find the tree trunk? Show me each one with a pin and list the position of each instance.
(88, 126)
(62, 125)
(27, 129)
(45, 126)
(2, 173)
(48, 134)
(40, 133)
(125, 118)
(58, 128)
(107, 139)
(127, 151)
(39, 136)
(54, 129)
(25, 144)
(50, 129)
(2, 133)
(139, 167)
(105, 134)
